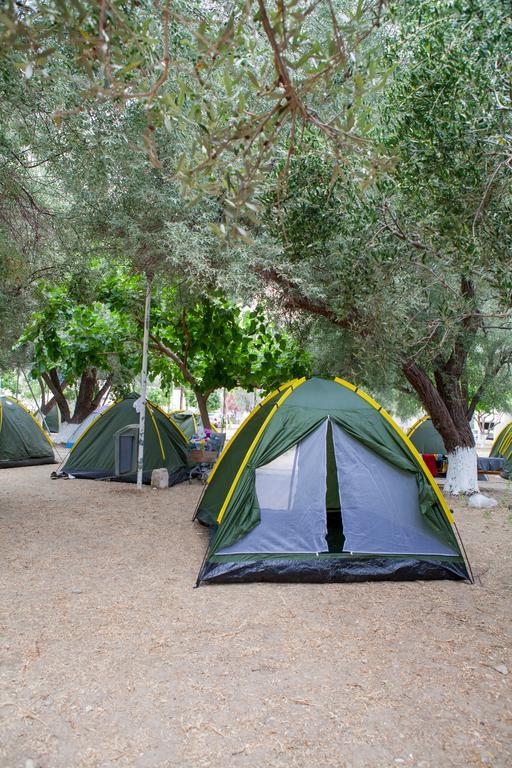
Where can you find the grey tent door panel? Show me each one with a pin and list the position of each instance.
(291, 494)
(379, 504)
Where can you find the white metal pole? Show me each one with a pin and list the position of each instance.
(143, 384)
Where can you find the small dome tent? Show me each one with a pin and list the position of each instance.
(319, 484)
(502, 449)
(425, 437)
(22, 441)
(95, 454)
(52, 419)
(188, 422)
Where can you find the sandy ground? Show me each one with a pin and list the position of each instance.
(109, 657)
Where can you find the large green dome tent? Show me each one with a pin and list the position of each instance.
(319, 484)
(502, 449)
(96, 452)
(425, 437)
(22, 441)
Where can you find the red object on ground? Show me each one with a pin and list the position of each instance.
(430, 461)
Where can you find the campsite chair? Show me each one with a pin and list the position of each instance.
(201, 461)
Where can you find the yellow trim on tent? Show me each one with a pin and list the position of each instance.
(507, 442)
(243, 425)
(91, 425)
(150, 410)
(253, 445)
(17, 402)
(502, 430)
(506, 446)
(168, 416)
(408, 443)
(183, 410)
(410, 432)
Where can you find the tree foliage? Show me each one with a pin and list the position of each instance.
(413, 271)
(75, 339)
(215, 344)
(360, 151)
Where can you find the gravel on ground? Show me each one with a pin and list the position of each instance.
(110, 658)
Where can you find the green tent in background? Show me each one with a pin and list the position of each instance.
(22, 441)
(425, 437)
(52, 419)
(319, 484)
(502, 449)
(188, 422)
(94, 453)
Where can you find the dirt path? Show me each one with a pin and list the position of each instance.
(110, 658)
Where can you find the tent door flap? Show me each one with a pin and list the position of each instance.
(125, 446)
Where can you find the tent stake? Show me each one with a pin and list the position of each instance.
(143, 384)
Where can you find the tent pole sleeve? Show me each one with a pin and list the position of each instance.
(143, 385)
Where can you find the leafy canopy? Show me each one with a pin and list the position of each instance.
(220, 344)
(71, 334)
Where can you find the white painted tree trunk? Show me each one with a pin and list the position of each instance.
(462, 475)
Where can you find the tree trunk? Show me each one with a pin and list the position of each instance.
(102, 393)
(86, 389)
(87, 401)
(446, 399)
(51, 379)
(202, 402)
(48, 406)
(462, 473)
(446, 407)
(43, 394)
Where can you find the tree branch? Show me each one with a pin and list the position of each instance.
(294, 299)
(165, 350)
